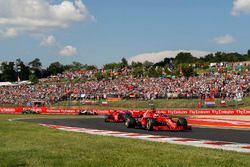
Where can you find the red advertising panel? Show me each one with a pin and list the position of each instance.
(44, 110)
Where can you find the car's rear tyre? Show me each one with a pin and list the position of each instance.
(130, 123)
(126, 116)
(107, 118)
(182, 122)
(150, 124)
(120, 116)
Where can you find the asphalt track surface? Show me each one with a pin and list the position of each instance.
(231, 135)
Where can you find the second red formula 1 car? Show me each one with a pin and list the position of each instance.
(121, 116)
(117, 116)
(153, 121)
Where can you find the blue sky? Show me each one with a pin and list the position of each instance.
(104, 31)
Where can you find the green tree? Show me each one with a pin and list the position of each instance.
(137, 71)
(55, 68)
(208, 58)
(90, 67)
(124, 63)
(22, 70)
(36, 67)
(154, 72)
(164, 63)
(112, 66)
(188, 70)
(136, 64)
(234, 57)
(167, 70)
(147, 64)
(184, 57)
(74, 66)
(219, 57)
(99, 76)
(36, 64)
(33, 79)
(8, 72)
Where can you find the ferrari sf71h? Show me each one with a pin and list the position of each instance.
(117, 116)
(121, 116)
(153, 121)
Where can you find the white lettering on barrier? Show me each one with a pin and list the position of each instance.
(68, 111)
(247, 112)
(8, 110)
(177, 112)
(207, 112)
(101, 111)
(192, 112)
(227, 112)
(203, 112)
(240, 112)
(215, 112)
(53, 110)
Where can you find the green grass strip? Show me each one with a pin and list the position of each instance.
(28, 144)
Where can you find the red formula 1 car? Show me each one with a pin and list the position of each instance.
(153, 121)
(121, 116)
(117, 116)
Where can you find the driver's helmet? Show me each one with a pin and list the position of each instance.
(155, 115)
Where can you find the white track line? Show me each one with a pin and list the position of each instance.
(223, 145)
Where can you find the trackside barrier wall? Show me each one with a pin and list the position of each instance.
(44, 110)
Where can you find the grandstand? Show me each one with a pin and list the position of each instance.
(83, 85)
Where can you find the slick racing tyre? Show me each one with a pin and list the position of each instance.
(126, 116)
(130, 123)
(108, 118)
(182, 122)
(150, 123)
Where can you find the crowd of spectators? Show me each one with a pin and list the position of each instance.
(55, 88)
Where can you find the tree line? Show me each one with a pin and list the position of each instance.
(180, 65)
(18, 70)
